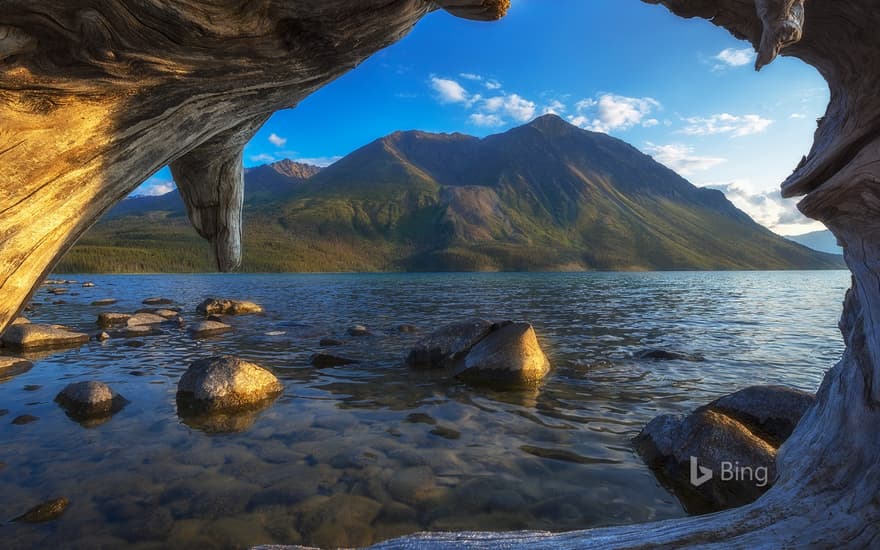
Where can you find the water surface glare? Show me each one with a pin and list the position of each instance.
(352, 455)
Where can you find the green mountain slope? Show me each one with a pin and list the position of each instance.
(544, 196)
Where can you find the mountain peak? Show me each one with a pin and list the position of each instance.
(552, 124)
(293, 169)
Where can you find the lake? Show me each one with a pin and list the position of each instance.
(358, 454)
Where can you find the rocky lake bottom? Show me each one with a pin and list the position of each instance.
(354, 454)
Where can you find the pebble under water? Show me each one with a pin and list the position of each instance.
(354, 454)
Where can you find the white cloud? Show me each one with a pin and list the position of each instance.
(154, 187)
(614, 112)
(470, 76)
(732, 57)
(494, 111)
(798, 115)
(555, 107)
(724, 123)
(767, 207)
(492, 85)
(262, 157)
(449, 91)
(277, 140)
(681, 158)
(487, 120)
(650, 123)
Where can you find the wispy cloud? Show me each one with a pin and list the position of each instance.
(277, 140)
(732, 57)
(724, 123)
(767, 208)
(682, 158)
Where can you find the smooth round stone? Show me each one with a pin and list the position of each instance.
(227, 383)
(89, 400)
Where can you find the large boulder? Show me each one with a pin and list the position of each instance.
(90, 402)
(225, 383)
(734, 436)
(445, 346)
(31, 336)
(510, 354)
(708, 460)
(770, 412)
(218, 306)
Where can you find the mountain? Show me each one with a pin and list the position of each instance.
(823, 241)
(544, 196)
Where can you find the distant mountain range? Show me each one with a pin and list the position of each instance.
(823, 241)
(544, 196)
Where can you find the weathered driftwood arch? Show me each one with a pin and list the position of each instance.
(95, 95)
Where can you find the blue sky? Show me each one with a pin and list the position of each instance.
(682, 91)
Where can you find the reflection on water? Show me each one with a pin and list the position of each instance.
(359, 453)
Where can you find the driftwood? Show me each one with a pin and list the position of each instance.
(97, 95)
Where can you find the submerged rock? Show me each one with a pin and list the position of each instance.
(407, 328)
(510, 354)
(329, 342)
(157, 301)
(218, 306)
(681, 450)
(770, 412)
(102, 336)
(140, 319)
(23, 419)
(225, 383)
(58, 291)
(20, 321)
(137, 331)
(90, 401)
(88, 284)
(204, 329)
(11, 367)
(104, 302)
(31, 336)
(448, 344)
(666, 355)
(44, 512)
(323, 360)
(161, 312)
